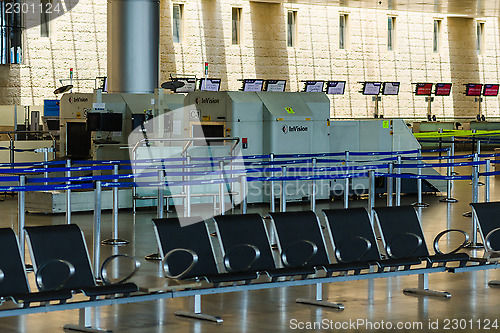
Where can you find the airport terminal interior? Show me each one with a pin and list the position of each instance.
(249, 166)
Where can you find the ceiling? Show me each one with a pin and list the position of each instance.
(468, 8)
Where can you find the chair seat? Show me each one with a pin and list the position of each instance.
(340, 267)
(122, 288)
(449, 257)
(231, 277)
(399, 262)
(43, 296)
(290, 271)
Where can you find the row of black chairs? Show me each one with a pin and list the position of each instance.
(246, 253)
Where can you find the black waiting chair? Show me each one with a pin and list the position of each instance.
(67, 243)
(354, 240)
(187, 253)
(245, 247)
(404, 239)
(14, 283)
(301, 244)
(487, 214)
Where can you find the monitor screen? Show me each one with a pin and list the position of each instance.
(473, 89)
(314, 86)
(490, 90)
(424, 89)
(275, 85)
(210, 84)
(335, 87)
(390, 88)
(252, 85)
(189, 85)
(93, 121)
(111, 122)
(53, 124)
(443, 89)
(372, 88)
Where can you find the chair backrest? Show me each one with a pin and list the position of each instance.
(236, 234)
(15, 280)
(352, 235)
(61, 242)
(171, 236)
(401, 232)
(488, 214)
(293, 230)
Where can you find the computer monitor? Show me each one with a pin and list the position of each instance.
(372, 88)
(424, 89)
(490, 90)
(443, 89)
(275, 85)
(210, 84)
(390, 88)
(473, 89)
(314, 86)
(252, 85)
(111, 122)
(93, 121)
(335, 87)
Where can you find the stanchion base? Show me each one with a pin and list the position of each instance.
(454, 173)
(154, 256)
(115, 242)
(448, 200)
(420, 204)
(474, 246)
(478, 184)
(467, 214)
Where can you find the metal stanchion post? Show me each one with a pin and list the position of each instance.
(97, 226)
(448, 182)
(283, 191)
(54, 149)
(68, 194)
(21, 197)
(346, 182)
(453, 154)
(243, 194)
(313, 186)
(478, 150)
(222, 197)
(187, 192)
(371, 195)
(272, 203)
(389, 179)
(475, 191)
(159, 209)
(398, 183)
(11, 151)
(45, 159)
(487, 182)
(115, 240)
(419, 202)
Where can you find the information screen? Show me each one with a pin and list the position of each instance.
(210, 84)
(314, 86)
(490, 90)
(424, 89)
(189, 85)
(252, 85)
(372, 88)
(473, 89)
(391, 88)
(275, 85)
(443, 89)
(335, 87)
(111, 122)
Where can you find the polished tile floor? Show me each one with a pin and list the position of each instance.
(473, 307)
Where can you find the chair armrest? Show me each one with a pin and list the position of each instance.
(227, 259)
(166, 267)
(104, 269)
(487, 241)
(442, 233)
(368, 246)
(284, 255)
(39, 274)
(388, 248)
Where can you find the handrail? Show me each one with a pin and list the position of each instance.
(188, 143)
